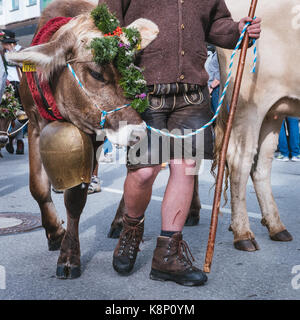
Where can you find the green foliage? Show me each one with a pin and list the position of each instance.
(9, 103)
(132, 82)
(140, 105)
(110, 48)
(104, 20)
(104, 49)
(132, 35)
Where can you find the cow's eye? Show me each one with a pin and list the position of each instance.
(96, 75)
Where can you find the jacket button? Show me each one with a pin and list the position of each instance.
(182, 52)
(182, 77)
(182, 26)
(182, 1)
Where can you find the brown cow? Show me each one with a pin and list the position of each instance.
(70, 43)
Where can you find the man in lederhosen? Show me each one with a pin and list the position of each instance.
(179, 99)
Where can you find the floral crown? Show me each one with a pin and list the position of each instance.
(119, 45)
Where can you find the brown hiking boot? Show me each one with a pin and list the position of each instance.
(128, 246)
(171, 262)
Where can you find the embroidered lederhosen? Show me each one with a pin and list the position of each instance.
(175, 107)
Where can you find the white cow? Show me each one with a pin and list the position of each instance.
(267, 96)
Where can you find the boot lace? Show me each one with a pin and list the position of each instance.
(185, 254)
(131, 238)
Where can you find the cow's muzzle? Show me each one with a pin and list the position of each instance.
(127, 135)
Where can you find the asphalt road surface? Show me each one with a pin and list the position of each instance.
(27, 268)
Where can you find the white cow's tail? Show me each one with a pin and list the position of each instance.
(220, 128)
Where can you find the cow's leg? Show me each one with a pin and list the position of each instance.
(194, 212)
(261, 173)
(117, 224)
(241, 152)
(40, 190)
(68, 264)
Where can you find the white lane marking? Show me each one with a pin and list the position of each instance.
(204, 206)
(6, 187)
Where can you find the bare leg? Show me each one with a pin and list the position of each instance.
(40, 190)
(138, 190)
(175, 208)
(68, 264)
(194, 213)
(192, 219)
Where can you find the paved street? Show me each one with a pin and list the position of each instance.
(30, 268)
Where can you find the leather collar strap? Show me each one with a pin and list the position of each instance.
(41, 90)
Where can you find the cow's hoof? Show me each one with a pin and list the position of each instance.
(65, 271)
(282, 236)
(192, 221)
(246, 245)
(54, 245)
(114, 232)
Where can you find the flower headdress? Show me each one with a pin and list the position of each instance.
(119, 45)
(9, 105)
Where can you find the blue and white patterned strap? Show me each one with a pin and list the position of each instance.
(103, 112)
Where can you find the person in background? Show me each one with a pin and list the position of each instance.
(213, 69)
(95, 185)
(289, 146)
(107, 152)
(14, 75)
(3, 74)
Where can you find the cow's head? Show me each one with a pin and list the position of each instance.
(71, 44)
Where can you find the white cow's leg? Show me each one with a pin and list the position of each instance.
(261, 176)
(241, 152)
(261, 172)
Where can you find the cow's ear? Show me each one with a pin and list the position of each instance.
(148, 30)
(47, 57)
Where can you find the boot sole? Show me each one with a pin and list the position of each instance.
(161, 276)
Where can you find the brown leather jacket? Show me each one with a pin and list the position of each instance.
(179, 52)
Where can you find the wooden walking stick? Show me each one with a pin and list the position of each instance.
(222, 157)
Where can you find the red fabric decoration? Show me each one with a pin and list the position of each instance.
(43, 36)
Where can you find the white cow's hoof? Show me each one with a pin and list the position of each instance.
(282, 236)
(246, 245)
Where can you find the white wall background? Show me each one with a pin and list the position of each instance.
(25, 11)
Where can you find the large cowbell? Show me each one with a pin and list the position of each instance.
(67, 154)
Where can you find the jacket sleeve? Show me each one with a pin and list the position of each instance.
(223, 31)
(117, 7)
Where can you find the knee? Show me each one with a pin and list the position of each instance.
(145, 176)
(189, 163)
(185, 167)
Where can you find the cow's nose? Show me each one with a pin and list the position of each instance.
(3, 140)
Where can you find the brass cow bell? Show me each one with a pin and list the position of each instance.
(67, 154)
